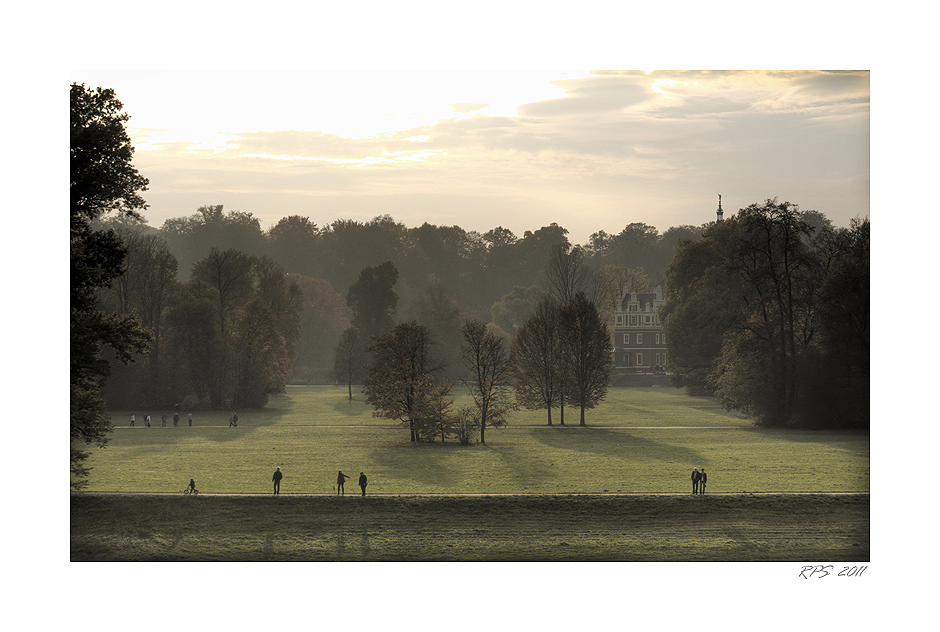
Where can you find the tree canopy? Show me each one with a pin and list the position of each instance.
(102, 179)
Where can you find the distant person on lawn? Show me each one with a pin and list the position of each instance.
(363, 481)
(133, 418)
(277, 480)
(340, 480)
(192, 485)
(190, 420)
(695, 479)
(233, 419)
(176, 419)
(701, 484)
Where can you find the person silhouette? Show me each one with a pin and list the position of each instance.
(277, 480)
(695, 478)
(340, 479)
(363, 481)
(702, 480)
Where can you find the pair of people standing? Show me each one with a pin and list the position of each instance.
(699, 479)
(233, 420)
(341, 479)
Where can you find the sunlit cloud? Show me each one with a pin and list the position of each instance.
(590, 150)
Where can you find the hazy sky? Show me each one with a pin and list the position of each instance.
(590, 150)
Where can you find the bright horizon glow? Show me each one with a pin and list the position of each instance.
(590, 151)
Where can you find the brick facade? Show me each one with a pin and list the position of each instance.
(639, 341)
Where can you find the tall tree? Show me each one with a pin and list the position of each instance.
(101, 179)
(399, 380)
(373, 301)
(349, 358)
(195, 346)
(324, 317)
(587, 346)
(439, 312)
(487, 360)
(284, 298)
(566, 273)
(227, 272)
(777, 276)
(534, 360)
(261, 359)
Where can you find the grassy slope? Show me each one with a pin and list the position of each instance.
(631, 444)
(585, 528)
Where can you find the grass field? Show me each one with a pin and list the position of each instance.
(124, 527)
(617, 489)
(640, 440)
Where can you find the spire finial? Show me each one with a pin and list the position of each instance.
(720, 212)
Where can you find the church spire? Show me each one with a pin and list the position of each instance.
(720, 212)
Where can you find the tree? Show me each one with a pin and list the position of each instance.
(227, 272)
(534, 360)
(399, 380)
(515, 308)
(349, 358)
(776, 276)
(101, 180)
(440, 313)
(324, 317)
(145, 289)
(373, 301)
(487, 360)
(284, 298)
(566, 274)
(196, 346)
(587, 348)
(261, 359)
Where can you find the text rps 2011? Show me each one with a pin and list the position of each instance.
(820, 571)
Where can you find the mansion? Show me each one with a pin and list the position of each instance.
(639, 341)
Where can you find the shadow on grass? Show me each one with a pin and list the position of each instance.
(612, 443)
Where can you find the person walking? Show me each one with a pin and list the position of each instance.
(363, 481)
(340, 480)
(695, 479)
(147, 421)
(277, 480)
(233, 420)
(192, 486)
(133, 419)
(176, 419)
(701, 483)
(190, 420)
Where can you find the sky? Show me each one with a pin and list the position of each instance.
(591, 150)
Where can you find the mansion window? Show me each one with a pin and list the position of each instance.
(657, 342)
(633, 320)
(639, 359)
(626, 339)
(639, 339)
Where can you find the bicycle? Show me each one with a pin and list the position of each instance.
(190, 490)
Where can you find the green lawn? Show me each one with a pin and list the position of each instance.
(640, 440)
